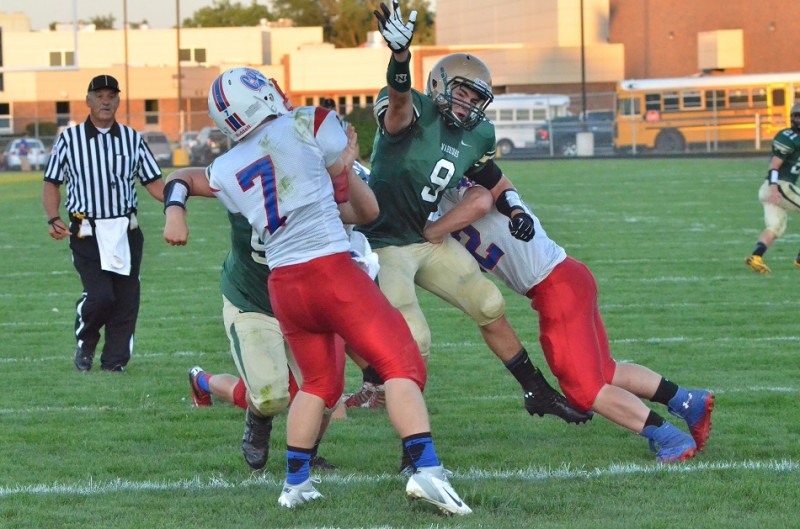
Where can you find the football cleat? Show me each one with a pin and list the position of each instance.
(669, 443)
(370, 396)
(320, 463)
(797, 261)
(200, 397)
(294, 495)
(255, 441)
(83, 360)
(545, 400)
(756, 264)
(696, 411)
(430, 484)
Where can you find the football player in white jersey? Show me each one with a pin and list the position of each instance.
(563, 292)
(286, 176)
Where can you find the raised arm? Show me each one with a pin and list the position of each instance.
(398, 34)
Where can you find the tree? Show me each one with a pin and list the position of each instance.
(224, 14)
(345, 23)
(103, 22)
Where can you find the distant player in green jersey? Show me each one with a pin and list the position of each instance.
(424, 145)
(779, 194)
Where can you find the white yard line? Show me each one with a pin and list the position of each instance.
(89, 488)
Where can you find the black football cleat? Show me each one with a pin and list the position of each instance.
(255, 442)
(544, 400)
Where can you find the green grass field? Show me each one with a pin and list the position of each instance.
(666, 240)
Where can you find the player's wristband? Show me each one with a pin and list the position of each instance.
(508, 201)
(772, 176)
(52, 221)
(398, 74)
(175, 194)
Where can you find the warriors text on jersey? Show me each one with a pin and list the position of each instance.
(410, 171)
(786, 146)
(277, 178)
(520, 265)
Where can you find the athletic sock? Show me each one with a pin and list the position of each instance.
(760, 249)
(523, 369)
(297, 464)
(202, 381)
(420, 448)
(665, 392)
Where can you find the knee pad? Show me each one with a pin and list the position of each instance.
(270, 400)
(491, 304)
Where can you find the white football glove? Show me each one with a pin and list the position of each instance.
(396, 33)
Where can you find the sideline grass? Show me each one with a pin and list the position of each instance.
(666, 241)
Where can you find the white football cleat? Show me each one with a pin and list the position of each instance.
(294, 495)
(430, 484)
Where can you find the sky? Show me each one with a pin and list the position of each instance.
(158, 13)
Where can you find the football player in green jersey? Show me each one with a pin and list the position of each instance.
(779, 194)
(424, 145)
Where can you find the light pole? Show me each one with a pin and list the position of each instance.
(583, 74)
(125, 33)
(178, 46)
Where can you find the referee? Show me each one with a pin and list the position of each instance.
(100, 160)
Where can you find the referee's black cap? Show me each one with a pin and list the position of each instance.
(103, 81)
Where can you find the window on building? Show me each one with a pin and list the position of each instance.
(356, 101)
(370, 100)
(62, 58)
(200, 55)
(62, 113)
(309, 102)
(341, 108)
(151, 111)
(5, 118)
(185, 54)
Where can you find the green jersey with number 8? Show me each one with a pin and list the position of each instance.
(411, 170)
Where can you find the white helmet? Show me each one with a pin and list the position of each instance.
(241, 98)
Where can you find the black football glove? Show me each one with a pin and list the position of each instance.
(521, 227)
(396, 33)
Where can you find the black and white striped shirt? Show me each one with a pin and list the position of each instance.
(100, 169)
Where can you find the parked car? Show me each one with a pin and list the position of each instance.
(562, 132)
(189, 140)
(160, 147)
(37, 154)
(211, 142)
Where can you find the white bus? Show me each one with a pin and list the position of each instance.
(516, 116)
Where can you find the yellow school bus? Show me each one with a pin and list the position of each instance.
(708, 112)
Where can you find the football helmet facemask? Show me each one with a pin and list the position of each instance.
(241, 98)
(794, 116)
(455, 70)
